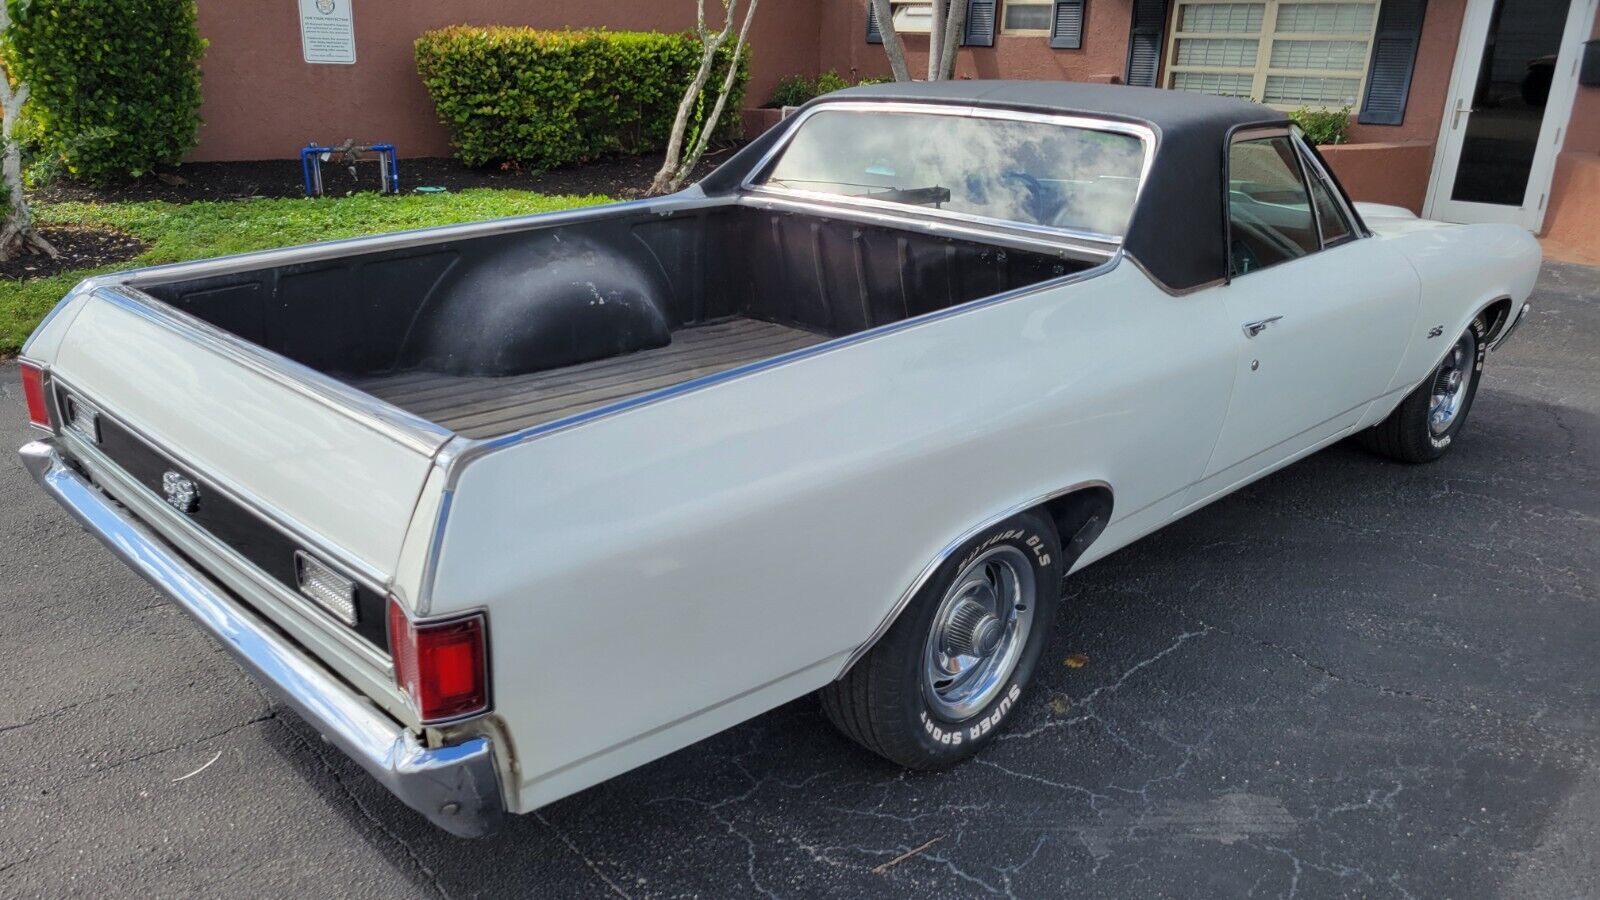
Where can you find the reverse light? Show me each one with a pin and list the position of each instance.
(442, 666)
(33, 393)
(330, 590)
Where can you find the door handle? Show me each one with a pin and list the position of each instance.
(1251, 329)
(1455, 117)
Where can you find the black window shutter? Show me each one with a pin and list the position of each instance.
(1144, 42)
(874, 36)
(1066, 29)
(980, 23)
(1394, 54)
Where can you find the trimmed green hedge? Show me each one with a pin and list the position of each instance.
(116, 83)
(551, 98)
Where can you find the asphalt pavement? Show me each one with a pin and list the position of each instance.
(1352, 678)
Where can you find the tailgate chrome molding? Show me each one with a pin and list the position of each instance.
(456, 787)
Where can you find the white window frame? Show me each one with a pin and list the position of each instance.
(900, 7)
(1264, 41)
(1026, 32)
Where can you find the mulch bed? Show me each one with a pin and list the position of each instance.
(80, 248)
(622, 179)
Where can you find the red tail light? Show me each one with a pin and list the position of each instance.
(442, 666)
(33, 392)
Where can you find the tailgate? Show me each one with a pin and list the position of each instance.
(295, 446)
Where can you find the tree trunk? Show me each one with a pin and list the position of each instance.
(663, 181)
(17, 232)
(955, 27)
(936, 39)
(892, 45)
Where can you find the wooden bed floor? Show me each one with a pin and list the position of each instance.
(485, 407)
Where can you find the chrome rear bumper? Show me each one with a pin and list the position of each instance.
(456, 786)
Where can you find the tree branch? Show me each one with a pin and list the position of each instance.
(709, 127)
(892, 45)
(955, 28)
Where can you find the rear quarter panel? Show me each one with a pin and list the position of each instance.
(660, 574)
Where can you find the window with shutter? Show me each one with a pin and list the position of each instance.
(1284, 53)
(1144, 42)
(1066, 29)
(874, 35)
(980, 23)
(1394, 53)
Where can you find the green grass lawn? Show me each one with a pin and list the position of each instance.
(180, 232)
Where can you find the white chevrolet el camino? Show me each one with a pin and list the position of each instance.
(506, 509)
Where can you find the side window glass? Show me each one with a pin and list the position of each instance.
(1335, 227)
(1269, 212)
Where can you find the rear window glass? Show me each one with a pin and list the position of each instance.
(1033, 173)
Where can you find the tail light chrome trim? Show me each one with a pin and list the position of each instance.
(442, 665)
(35, 393)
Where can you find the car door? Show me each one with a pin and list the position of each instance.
(1322, 312)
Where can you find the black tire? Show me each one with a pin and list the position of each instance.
(1406, 434)
(882, 702)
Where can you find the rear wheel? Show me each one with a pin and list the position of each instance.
(949, 671)
(1425, 424)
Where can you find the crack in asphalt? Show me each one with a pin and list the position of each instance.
(96, 772)
(592, 866)
(378, 823)
(1557, 741)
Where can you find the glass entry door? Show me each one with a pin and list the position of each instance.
(1511, 95)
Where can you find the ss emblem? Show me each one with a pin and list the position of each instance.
(181, 493)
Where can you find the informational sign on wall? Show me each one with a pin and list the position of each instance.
(327, 32)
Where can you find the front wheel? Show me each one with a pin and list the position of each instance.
(1425, 424)
(947, 674)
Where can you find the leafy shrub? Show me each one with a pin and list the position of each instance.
(550, 98)
(792, 91)
(828, 82)
(115, 83)
(1323, 126)
(797, 90)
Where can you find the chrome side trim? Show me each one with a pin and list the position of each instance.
(1146, 136)
(944, 554)
(456, 787)
(402, 240)
(1167, 289)
(1510, 327)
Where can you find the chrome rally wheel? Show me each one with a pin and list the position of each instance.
(979, 631)
(946, 676)
(1425, 424)
(1451, 383)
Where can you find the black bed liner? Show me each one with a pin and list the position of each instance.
(477, 407)
(490, 335)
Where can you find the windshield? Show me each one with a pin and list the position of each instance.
(1034, 173)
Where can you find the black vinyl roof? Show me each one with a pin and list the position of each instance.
(1178, 229)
